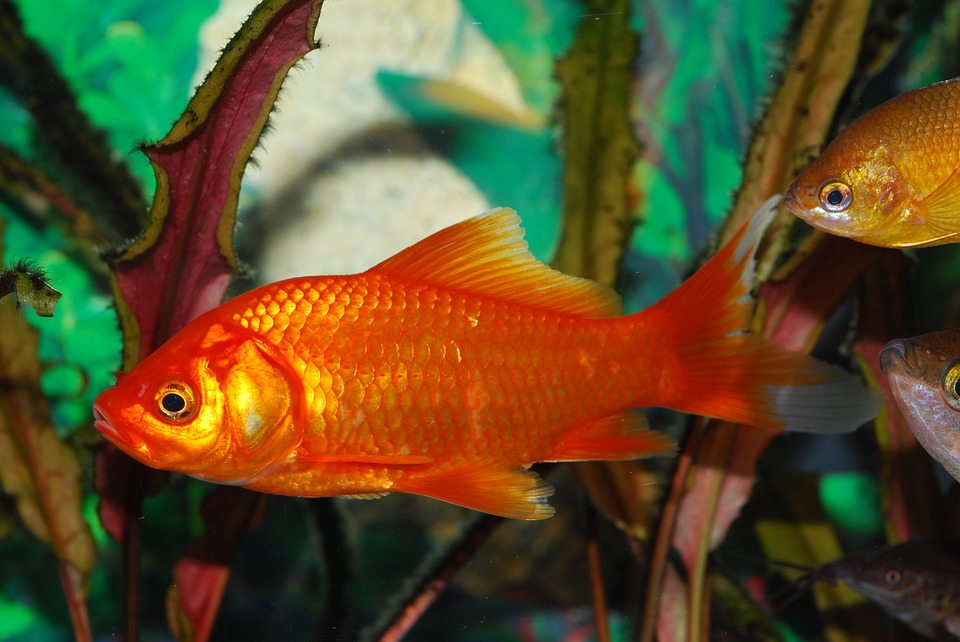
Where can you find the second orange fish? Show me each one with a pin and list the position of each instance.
(892, 178)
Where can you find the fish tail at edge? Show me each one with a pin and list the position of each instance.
(716, 368)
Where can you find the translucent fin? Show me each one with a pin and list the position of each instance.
(360, 458)
(366, 496)
(489, 486)
(720, 371)
(486, 255)
(942, 212)
(617, 437)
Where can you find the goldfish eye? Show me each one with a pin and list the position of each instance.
(950, 387)
(175, 401)
(836, 196)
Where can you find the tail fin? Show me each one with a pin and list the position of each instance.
(726, 373)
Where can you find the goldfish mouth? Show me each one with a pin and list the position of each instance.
(125, 441)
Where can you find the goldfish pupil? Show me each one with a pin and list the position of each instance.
(173, 403)
(835, 197)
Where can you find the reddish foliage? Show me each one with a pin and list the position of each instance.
(181, 264)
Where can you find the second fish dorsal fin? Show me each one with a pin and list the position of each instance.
(487, 255)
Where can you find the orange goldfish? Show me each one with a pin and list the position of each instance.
(892, 178)
(450, 368)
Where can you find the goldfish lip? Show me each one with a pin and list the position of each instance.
(108, 430)
(102, 424)
(900, 353)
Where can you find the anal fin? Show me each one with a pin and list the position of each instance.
(618, 437)
(489, 486)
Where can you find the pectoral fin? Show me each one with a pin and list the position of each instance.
(942, 213)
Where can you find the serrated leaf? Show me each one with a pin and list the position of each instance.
(600, 149)
(797, 122)
(181, 264)
(599, 201)
(109, 191)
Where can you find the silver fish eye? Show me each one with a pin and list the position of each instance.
(836, 196)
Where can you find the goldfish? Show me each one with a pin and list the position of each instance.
(924, 377)
(892, 178)
(916, 582)
(451, 367)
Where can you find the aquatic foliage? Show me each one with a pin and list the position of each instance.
(640, 159)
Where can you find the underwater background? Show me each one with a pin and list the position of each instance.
(411, 116)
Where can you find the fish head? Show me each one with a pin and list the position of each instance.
(914, 581)
(924, 377)
(855, 190)
(211, 403)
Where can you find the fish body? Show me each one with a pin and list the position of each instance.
(449, 368)
(892, 178)
(924, 377)
(917, 582)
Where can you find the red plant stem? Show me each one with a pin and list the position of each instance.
(78, 610)
(437, 577)
(131, 560)
(596, 577)
(337, 561)
(668, 518)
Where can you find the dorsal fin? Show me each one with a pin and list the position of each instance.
(487, 255)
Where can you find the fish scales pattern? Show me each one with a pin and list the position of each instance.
(378, 358)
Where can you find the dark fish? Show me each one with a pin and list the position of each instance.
(917, 582)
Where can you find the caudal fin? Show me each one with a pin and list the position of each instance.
(724, 372)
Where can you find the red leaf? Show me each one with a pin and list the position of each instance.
(182, 263)
(200, 576)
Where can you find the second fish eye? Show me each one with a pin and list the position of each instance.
(836, 196)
